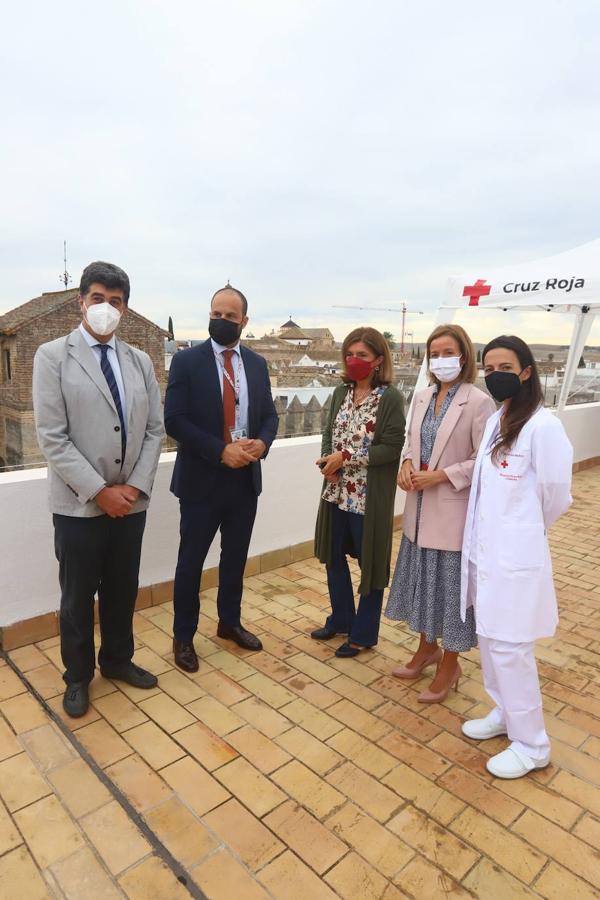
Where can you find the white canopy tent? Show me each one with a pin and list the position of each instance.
(566, 283)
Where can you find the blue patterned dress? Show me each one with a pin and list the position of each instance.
(425, 589)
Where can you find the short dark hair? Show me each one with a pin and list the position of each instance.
(229, 287)
(106, 274)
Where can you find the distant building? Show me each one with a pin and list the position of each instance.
(321, 336)
(289, 324)
(22, 330)
(293, 334)
(330, 366)
(172, 347)
(291, 355)
(305, 361)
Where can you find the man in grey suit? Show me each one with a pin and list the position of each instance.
(99, 424)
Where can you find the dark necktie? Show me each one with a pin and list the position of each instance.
(228, 397)
(107, 371)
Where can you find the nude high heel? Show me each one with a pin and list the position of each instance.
(439, 696)
(407, 672)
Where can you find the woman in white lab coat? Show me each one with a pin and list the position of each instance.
(521, 485)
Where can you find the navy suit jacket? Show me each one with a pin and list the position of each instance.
(194, 417)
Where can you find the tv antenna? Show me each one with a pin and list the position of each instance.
(65, 277)
(403, 309)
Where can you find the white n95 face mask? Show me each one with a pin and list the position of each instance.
(102, 318)
(445, 368)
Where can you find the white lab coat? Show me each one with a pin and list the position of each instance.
(511, 506)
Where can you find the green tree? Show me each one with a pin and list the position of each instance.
(581, 362)
(170, 329)
(479, 356)
(389, 337)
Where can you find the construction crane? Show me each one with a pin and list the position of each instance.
(403, 309)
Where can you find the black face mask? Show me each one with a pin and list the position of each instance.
(224, 332)
(503, 385)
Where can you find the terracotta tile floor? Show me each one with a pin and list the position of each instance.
(292, 774)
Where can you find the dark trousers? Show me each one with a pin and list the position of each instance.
(362, 625)
(230, 508)
(97, 555)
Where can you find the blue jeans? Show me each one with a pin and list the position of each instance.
(362, 625)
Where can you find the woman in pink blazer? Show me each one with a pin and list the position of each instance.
(437, 463)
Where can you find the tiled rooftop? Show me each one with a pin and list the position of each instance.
(293, 774)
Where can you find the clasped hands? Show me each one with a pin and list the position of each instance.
(411, 480)
(330, 465)
(116, 500)
(243, 452)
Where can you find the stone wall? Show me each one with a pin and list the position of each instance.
(294, 378)
(297, 418)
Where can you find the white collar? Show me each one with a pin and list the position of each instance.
(91, 341)
(220, 348)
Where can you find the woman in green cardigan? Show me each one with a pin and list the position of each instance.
(360, 453)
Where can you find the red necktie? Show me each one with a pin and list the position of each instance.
(228, 397)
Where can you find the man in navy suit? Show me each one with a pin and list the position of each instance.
(219, 409)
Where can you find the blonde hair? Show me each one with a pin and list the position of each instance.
(378, 345)
(468, 373)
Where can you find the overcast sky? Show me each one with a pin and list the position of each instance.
(315, 152)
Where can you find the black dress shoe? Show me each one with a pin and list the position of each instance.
(185, 656)
(238, 634)
(131, 674)
(323, 634)
(76, 699)
(346, 651)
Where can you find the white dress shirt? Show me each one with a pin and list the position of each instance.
(113, 360)
(239, 378)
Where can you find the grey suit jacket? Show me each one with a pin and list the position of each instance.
(77, 424)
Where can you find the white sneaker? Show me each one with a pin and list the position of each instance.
(482, 729)
(512, 763)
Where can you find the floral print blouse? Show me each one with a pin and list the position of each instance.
(353, 432)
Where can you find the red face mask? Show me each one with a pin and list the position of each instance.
(358, 368)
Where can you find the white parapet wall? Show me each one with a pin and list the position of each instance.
(29, 573)
(286, 516)
(582, 424)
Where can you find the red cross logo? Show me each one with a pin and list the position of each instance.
(477, 290)
(504, 464)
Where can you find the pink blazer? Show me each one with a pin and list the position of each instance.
(444, 507)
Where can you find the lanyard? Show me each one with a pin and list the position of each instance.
(235, 385)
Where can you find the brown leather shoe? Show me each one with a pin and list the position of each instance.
(185, 656)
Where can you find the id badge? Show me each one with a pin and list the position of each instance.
(239, 434)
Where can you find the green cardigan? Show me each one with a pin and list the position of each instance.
(382, 471)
